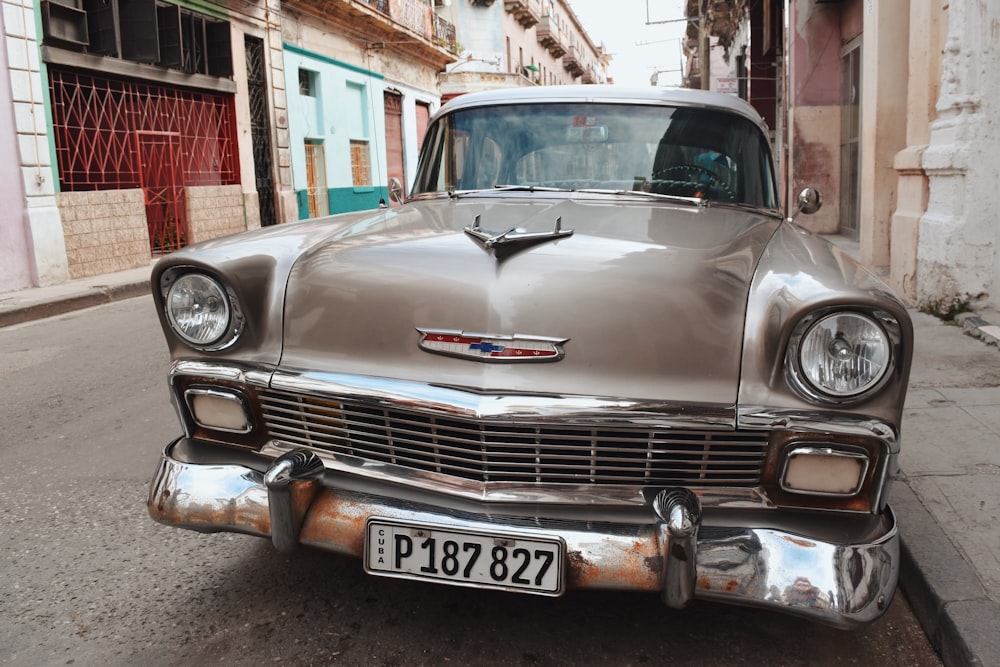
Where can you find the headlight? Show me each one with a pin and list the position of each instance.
(844, 355)
(200, 311)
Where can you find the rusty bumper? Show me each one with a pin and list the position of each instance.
(293, 502)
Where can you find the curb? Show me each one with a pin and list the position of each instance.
(977, 327)
(94, 296)
(944, 591)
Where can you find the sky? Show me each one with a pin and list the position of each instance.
(638, 50)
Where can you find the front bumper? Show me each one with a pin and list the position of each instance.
(835, 580)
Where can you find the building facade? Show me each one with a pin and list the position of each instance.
(136, 130)
(890, 112)
(541, 42)
(887, 108)
(362, 82)
(138, 127)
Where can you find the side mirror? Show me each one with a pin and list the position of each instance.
(809, 202)
(395, 190)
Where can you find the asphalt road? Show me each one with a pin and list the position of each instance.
(86, 578)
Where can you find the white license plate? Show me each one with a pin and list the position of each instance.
(467, 558)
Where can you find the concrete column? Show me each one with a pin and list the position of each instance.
(958, 235)
(926, 30)
(883, 128)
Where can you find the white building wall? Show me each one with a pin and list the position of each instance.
(959, 233)
(44, 253)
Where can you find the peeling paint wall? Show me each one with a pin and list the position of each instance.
(814, 109)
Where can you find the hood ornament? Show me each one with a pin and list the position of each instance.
(497, 348)
(507, 243)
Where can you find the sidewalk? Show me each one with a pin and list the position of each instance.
(947, 497)
(36, 303)
(948, 503)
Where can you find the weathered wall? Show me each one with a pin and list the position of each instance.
(105, 231)
(814, 115)
(815, 162)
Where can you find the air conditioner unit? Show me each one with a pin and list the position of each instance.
(64, 23)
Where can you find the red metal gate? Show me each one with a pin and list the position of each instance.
(118, 134)
(161, 179)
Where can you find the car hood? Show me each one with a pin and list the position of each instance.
(650, 297)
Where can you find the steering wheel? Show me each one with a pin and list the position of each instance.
(692, 173)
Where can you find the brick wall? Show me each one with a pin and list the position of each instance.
(105, 231)
(214, 211)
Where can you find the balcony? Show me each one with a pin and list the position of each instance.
(444, 34)
(411, 24)
(548, 35)
(381, 6)
(525, 12)
(571, 63)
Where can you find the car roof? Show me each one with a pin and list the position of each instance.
(686, 97)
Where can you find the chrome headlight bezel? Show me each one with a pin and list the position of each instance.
(811, 389)
(230, 330)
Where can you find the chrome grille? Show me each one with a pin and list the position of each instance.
(494, 451)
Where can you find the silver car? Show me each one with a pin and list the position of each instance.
(589, 351)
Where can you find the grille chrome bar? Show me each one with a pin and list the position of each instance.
(485, 450)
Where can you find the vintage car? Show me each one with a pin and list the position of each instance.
(588, 351)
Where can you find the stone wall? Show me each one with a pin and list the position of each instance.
(104, 230)
(214, 211)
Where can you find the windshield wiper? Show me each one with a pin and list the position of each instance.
(694, 201)
(455, 194)
(529, 188)
(742, 206)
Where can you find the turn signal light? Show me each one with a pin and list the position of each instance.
(219, 410)
(824, 471)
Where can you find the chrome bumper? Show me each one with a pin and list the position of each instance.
(293, 503)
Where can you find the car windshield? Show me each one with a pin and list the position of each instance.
(680, 151)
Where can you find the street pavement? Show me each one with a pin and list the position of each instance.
(946, 496)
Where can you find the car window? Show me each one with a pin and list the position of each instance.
(694, 152)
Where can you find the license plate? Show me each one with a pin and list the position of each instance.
(504, 561)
